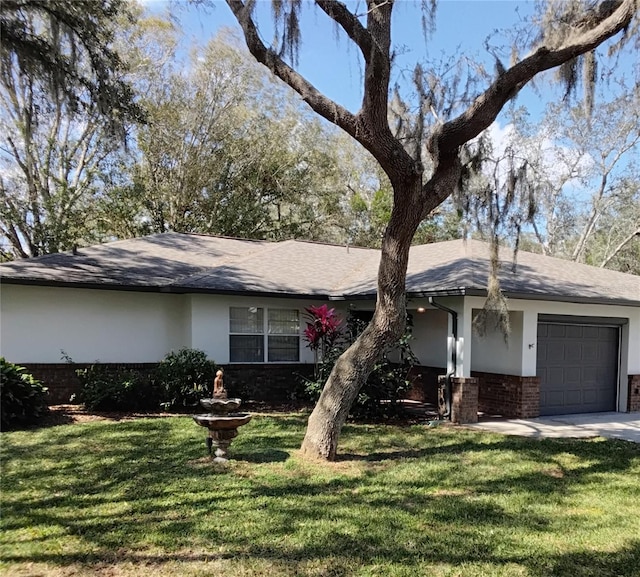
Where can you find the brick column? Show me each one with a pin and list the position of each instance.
(464, 399)
(633, 403)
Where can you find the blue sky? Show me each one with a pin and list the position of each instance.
(334, 66)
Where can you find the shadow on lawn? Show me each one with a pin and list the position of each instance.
(111, 485)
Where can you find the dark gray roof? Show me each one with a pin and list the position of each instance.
(184, 263)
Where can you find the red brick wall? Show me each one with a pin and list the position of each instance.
(424, 384)
(464, 398)
(272, 383)
(633, 405)
(62, 381)
(508, 395)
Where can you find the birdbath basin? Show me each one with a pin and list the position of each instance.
(222, 424)
(220, 406)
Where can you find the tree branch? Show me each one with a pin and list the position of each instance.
(620, 246)
(349, 22)
(488, 105)
(324, 106)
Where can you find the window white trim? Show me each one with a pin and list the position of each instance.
(263, 326)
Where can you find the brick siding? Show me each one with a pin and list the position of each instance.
(276, 383)
(62, 381)
(633, 404)
(508, 395)
(424, 384)
(464, 399)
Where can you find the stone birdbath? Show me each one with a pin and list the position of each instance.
(222, 420)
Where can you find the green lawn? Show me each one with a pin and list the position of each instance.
(141, 498)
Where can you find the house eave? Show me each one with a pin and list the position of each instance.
(442, 292)
(161, 289)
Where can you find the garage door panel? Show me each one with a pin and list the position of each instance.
(573, 332)
(590, 396)
(589, 375)
(555, 398)
(572, 375)
(556, 331)
(573, 397)
(577, 367)
(556, 354)
(607, 352)
(573, 352)
(555, 375)
(592, 333)
(590, 351)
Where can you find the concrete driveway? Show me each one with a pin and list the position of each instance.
(624, 426)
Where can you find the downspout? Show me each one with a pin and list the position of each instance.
(454, 354)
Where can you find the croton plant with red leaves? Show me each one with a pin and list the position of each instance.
(323, 327)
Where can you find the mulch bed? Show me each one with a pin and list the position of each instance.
(70, 414)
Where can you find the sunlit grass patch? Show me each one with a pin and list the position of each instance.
(141, 497)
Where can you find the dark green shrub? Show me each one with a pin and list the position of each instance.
(103, 388)
(387, 384)
(23, 399)
(185, 377)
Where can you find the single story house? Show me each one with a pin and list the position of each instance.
(574, 344)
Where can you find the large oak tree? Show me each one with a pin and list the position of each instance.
(426, 163)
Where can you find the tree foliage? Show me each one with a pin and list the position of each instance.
(228, 150)
(67, 48)
(65, 108)
(579, 195)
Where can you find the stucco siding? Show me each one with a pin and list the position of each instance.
(430, 332)
(209, 316)
(493, 353)
(38, 323)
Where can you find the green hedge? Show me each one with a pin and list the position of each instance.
(23, 399)
(179, 381)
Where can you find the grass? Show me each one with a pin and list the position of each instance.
(141, 498)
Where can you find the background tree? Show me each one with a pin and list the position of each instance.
(64, 100)
(581, 180)
(569, 30)
(67, 48)
(228, 149)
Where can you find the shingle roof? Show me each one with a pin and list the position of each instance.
(173, 262)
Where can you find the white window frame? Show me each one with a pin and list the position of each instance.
(266, 334)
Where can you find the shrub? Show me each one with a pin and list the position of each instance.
(388, 382)
(104, 388)
(184, 377)
(23, 399)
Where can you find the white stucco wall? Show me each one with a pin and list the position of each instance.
(430, 331)
(38, 323)
(492, 353)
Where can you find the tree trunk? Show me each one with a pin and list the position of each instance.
(353, 367)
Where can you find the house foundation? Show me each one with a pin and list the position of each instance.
(509, 396)
(633, 402)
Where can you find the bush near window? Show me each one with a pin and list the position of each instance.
(23, 399)
(179, 381)
(387, 384)
(184, 377)
(106, 389)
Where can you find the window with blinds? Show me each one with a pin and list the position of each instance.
(246, 335)
(252, 333)
(284, 335)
